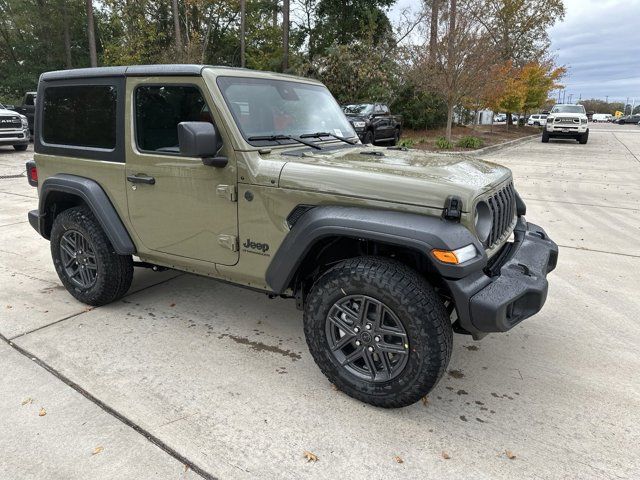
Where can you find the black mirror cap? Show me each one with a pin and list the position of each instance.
(198, 139)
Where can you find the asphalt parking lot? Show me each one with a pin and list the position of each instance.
(188, 377)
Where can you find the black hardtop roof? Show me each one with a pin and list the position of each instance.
(126, 71)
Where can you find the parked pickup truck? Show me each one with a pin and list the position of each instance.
(259, 179)
(28, 108)
(374, 123)
(14, 129)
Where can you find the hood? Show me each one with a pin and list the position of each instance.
(411, 177)
(567, 115)
(4, 111)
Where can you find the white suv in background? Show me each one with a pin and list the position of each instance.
(567, 121)
(537, 120)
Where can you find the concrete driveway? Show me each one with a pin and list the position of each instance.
(187, 377)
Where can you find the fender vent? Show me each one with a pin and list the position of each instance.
(297, 213)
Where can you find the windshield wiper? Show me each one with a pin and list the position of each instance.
(327, 134)
(275, 138)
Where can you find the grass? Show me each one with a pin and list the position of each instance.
(464, 138)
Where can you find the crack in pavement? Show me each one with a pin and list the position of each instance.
(112, 411)
(600, 251)
(628, 149)
(89, 309)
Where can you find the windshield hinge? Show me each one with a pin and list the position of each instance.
(452, 208)
(228, 241)
(228, 192)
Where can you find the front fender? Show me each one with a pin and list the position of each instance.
(417, 232)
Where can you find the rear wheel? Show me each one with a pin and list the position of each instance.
(20, 148)
(378, 331)
(85, 260)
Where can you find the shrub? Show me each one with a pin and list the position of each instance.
(470, 142)
(406, 142)
(443, 144)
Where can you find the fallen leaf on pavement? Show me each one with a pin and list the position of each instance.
(88, 309)
(42, 412)
(9, 306)
(172, 305)
(27, 400)
(425, 401)
(186, 468)
(510, 455)
(445, 455)
(311, 457)
(398, 459)
(97, 450)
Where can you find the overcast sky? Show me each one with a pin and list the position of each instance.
(599, 43)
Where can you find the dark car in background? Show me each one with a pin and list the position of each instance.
(28, 108)
(374, 123)
(635, 118)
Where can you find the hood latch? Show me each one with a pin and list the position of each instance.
(452, 208)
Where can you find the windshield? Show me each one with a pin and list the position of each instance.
(568, 109)
(362, 109)
(265, 107)
(2, 106)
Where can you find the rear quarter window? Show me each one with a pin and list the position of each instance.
(80, 116)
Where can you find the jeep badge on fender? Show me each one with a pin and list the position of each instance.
(186, 166)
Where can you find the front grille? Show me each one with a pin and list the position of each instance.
(567, 120)
(11, 135)
(502, 205)
(10, 122)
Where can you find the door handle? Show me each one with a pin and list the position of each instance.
(141, 179)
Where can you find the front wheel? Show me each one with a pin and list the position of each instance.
(584, 138)
(378, 331)
(85, 260)
(545, 136)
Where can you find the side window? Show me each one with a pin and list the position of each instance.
(29, 99)
(385, 109)
(378, 109)
(160, 108)
(80, 116)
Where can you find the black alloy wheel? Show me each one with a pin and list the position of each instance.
(367, 338)
(78, 259)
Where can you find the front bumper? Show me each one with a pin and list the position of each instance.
(512, 288)
(14, 137)
(566, 129)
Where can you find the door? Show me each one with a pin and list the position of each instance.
(177, 205)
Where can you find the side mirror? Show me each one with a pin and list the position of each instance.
(200, 139)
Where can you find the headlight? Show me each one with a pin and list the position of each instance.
(359, 124)
(550, 119)
(583, 120)
(483, 221)
(25, 122)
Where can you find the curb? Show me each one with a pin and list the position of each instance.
(502, 146)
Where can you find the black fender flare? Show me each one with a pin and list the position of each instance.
(418, 232)
(96, 199)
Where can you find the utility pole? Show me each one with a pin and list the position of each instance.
(285, 35)
(570, 97)
(243, 14)
(607, 99)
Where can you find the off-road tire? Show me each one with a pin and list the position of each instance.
(584, 138)
(545, 136)
(413, 301)
(20, 148)
(114, 272)
(368, 138)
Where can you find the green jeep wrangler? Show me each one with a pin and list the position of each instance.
(259, 179)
